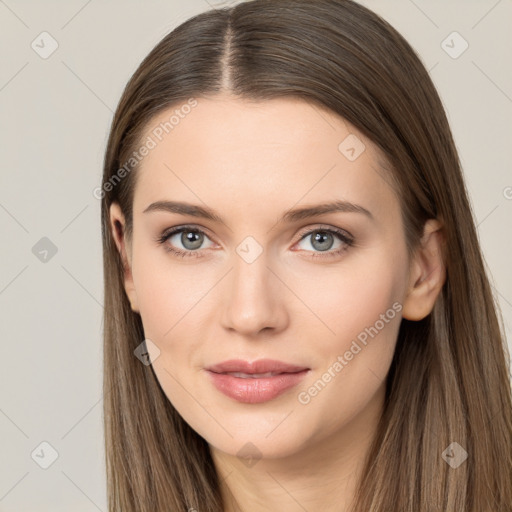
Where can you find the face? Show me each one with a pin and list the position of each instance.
(321, 292)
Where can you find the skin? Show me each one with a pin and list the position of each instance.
(251, 162)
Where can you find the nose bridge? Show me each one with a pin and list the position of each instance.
(253, 300)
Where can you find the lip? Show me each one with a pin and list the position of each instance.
(258, 366)
(255, 389)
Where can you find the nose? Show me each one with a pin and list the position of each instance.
(254, 298)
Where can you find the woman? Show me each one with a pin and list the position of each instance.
(297, 313)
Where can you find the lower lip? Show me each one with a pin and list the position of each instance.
(257, 390)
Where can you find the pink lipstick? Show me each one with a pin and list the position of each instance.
(256, 382)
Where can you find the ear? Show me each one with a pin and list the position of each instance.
(117, 225)
(427, 273)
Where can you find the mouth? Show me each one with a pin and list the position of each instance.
(257, 382)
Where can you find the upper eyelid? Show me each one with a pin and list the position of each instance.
(324, 227)
(178, 229)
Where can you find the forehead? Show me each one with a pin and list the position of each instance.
(259, 155)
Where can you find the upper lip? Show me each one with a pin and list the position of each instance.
(259, 366)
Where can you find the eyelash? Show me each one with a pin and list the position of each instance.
(342, 235)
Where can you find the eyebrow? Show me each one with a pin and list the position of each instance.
(290, 216)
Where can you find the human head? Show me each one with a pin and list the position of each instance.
(265, 51)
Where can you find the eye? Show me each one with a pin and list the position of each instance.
(322, 240)
(184, 241)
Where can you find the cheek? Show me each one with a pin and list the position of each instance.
(352, 296)
(169, 293)
(361, 305)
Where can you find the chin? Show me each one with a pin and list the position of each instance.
(257, 443)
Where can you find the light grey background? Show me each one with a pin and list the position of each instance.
(55, 115)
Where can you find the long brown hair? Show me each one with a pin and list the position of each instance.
(448, 381)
